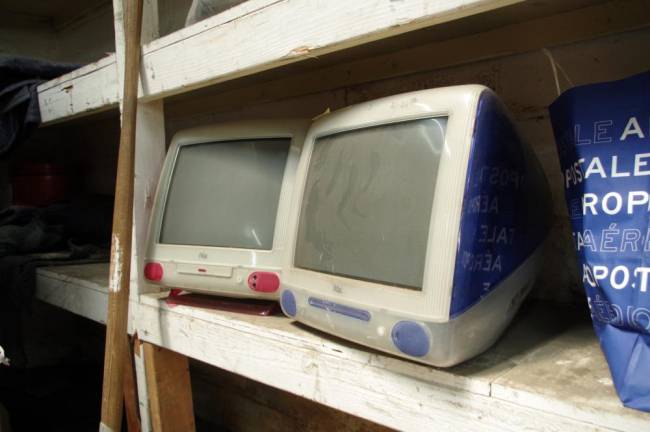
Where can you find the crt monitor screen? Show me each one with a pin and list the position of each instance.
(367, 202)
(225, 194)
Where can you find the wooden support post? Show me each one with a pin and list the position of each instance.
(130, 391)
(149, 156)
(170, 390)
(120, 271)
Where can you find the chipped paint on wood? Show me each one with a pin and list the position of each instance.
(116, 266)
(104, 428)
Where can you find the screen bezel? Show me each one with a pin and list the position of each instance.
(219, 255)
(432, 302)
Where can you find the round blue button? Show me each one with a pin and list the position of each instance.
(410, 338)
(288, 303)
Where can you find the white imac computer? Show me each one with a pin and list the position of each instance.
(417, 224)
(219, 222)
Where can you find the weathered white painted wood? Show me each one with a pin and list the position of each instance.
(280, 330)
(284, 32)
(236, 12)
(149, 155)
(150, 145)
(543, 375)
(80, 289)
(91, 88)
(383, 389)
(569, 28)
(141, 380)
(569, 377)
(229, 45)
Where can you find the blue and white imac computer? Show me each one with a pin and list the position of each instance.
(219, 222)
(417, 224)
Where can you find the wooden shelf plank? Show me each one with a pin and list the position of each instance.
(391, 391)
(543, 374)
(277, 33)
(569, 27)
(223, 47)
(81, 289)
(86, 90)
(569, 376)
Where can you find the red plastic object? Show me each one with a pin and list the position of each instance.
(265, 282)
(245, 306)
(153, 271)
(39, 184)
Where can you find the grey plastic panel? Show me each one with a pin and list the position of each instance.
(225, 194)
(367, 203)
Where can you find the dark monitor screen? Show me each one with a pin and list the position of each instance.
(225, 194)
(367, 202)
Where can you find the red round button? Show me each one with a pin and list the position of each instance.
(266, 282)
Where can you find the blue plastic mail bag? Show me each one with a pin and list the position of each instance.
(602, 133)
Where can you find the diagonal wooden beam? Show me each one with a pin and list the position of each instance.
(120, 270)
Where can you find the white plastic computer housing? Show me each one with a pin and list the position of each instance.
(488, 220)
(226, 234)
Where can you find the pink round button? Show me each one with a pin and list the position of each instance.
(266, 282)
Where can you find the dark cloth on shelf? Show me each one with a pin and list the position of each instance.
(62, 234)
(19, 109)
